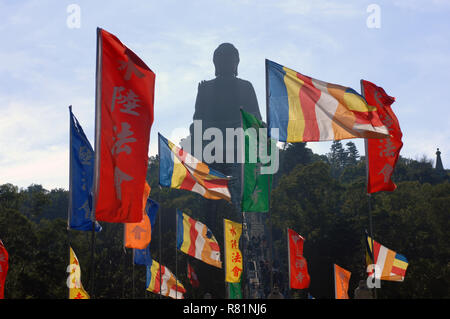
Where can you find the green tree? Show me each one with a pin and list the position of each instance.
(337, 158)
(352, 154)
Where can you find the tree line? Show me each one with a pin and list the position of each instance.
(322, 197)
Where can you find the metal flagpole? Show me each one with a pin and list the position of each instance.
(369, 196)
(227, 296)
(160, 249)
(176, 255)
(334, 278)
(269, 190)
(132, 273)
(289, 261)
(98, 91)
(244, 221)
(70, 188)
(91, 283)
(159, 219)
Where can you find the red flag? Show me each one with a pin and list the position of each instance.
(193, 279)
(298, 269)
(124, 116)
(382, 154)
(3, 269)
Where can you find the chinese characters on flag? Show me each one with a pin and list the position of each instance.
(382, 154)
(233, 255)
(76, 290)
(124, 116)
(298, 269)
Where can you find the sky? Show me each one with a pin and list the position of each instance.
(47, 62)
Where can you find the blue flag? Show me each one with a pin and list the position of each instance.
(81, 178)
(151, 208)
(143, 256)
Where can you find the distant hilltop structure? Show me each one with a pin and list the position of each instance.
(439, 167)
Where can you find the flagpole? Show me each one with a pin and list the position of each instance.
(244, 221)
(159, 218)
(369, 195)
(225, 261)
(91, 283)
(70, 188)
(289, 261)
(176, 254)
(269, 186)
(68, 235)
(132, 272)
(98, 89)
(334, 278)
(160, 239)
(70, 172)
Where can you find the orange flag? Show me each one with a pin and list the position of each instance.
(138, 235)
(341, 280)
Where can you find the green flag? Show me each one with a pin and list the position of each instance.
(234, 290)
(255, 186)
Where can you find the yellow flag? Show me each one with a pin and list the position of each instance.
(76, 290)
(233, 255)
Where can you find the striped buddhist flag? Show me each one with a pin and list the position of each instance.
(307, 110)
(196, 240)
(161, 280)
(391, 264)
(179, 169)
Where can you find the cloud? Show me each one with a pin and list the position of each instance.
(422, 6)
(319, 8)
(47, 167)
(48, 66)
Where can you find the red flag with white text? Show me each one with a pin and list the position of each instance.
(298, 268)
(3, 268)
(382, 154)
(124, 116)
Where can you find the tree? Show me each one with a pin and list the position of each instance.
(336, 158)
(34, 201)
(352, 154)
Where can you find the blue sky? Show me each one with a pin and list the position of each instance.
(45, 66)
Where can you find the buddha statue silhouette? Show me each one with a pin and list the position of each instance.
(218, 105)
